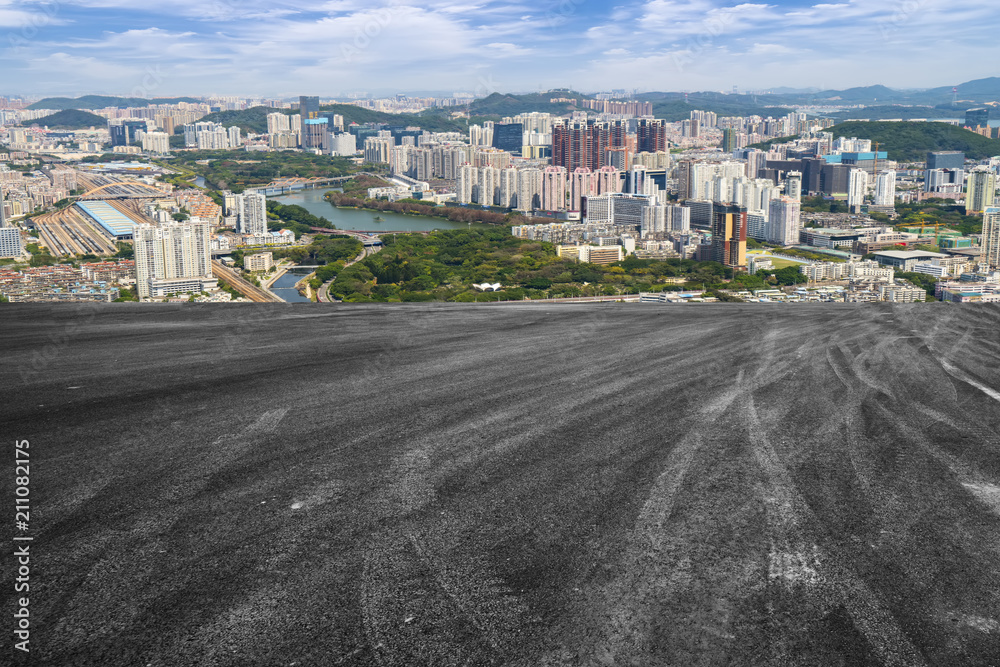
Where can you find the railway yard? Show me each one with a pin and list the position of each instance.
(72, 231)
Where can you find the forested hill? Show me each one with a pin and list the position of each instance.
(70, 120)
(911, 141)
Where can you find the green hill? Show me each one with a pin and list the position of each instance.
(903, 112)
(255, 119)
(678, 109)
(70, 120)
(910, 141)
(251, 120)
(499, 104)
(102, 102)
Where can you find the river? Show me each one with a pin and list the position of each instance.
(284, 286)
(364, 221)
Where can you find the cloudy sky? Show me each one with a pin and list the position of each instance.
(289, 47)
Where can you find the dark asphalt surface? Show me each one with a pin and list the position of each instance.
(609, 484)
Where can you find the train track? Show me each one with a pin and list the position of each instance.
(245, 288)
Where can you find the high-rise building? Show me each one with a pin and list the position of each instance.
(344, 143)
(946, 160)
(885, 189)
(309, 107)
(857, 189)
(977, 117)
(252, 214)
(651, 136)
(783, 222)
(156, 142)
(233, 132)
(982, 190)
(508, 137)
(583, 183)
(944, 181)
(315, 134)
(11, 244)
(729, 236)
(467, 188)
(529, 189)
(172, 259)
(554, 189)
(991, 237)
(489, 186)
(729, 136)
(793, 185)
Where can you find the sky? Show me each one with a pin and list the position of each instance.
(284, 48)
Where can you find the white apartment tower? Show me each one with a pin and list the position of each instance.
(885, 189)
(172, 259)
(793, 185)
(991, 237)
(783, 222)
(857, 189)
(252, 214)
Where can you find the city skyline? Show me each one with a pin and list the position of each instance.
(252, 48)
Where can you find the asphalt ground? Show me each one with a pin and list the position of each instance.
(599, 484)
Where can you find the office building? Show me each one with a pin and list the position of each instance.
(982, 190)
(173, 259)
(944, 181)
(729, 236)
(309, 107)
(991, 237)
(508, 137)
(977, 117)
(946, 160)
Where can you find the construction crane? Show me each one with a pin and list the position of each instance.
(922, 226)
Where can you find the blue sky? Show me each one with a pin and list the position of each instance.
(284, 48)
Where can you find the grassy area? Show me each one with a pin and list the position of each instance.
(783, 263)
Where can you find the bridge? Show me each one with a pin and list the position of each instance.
(368, 238)
(286, 185)
(144, 191)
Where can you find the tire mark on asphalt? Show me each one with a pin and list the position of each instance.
(806, 562)
(959, 374)
(486, 601)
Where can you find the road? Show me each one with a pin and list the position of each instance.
(323, 294)
(554, 485)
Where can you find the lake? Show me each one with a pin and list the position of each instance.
(364, 221)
